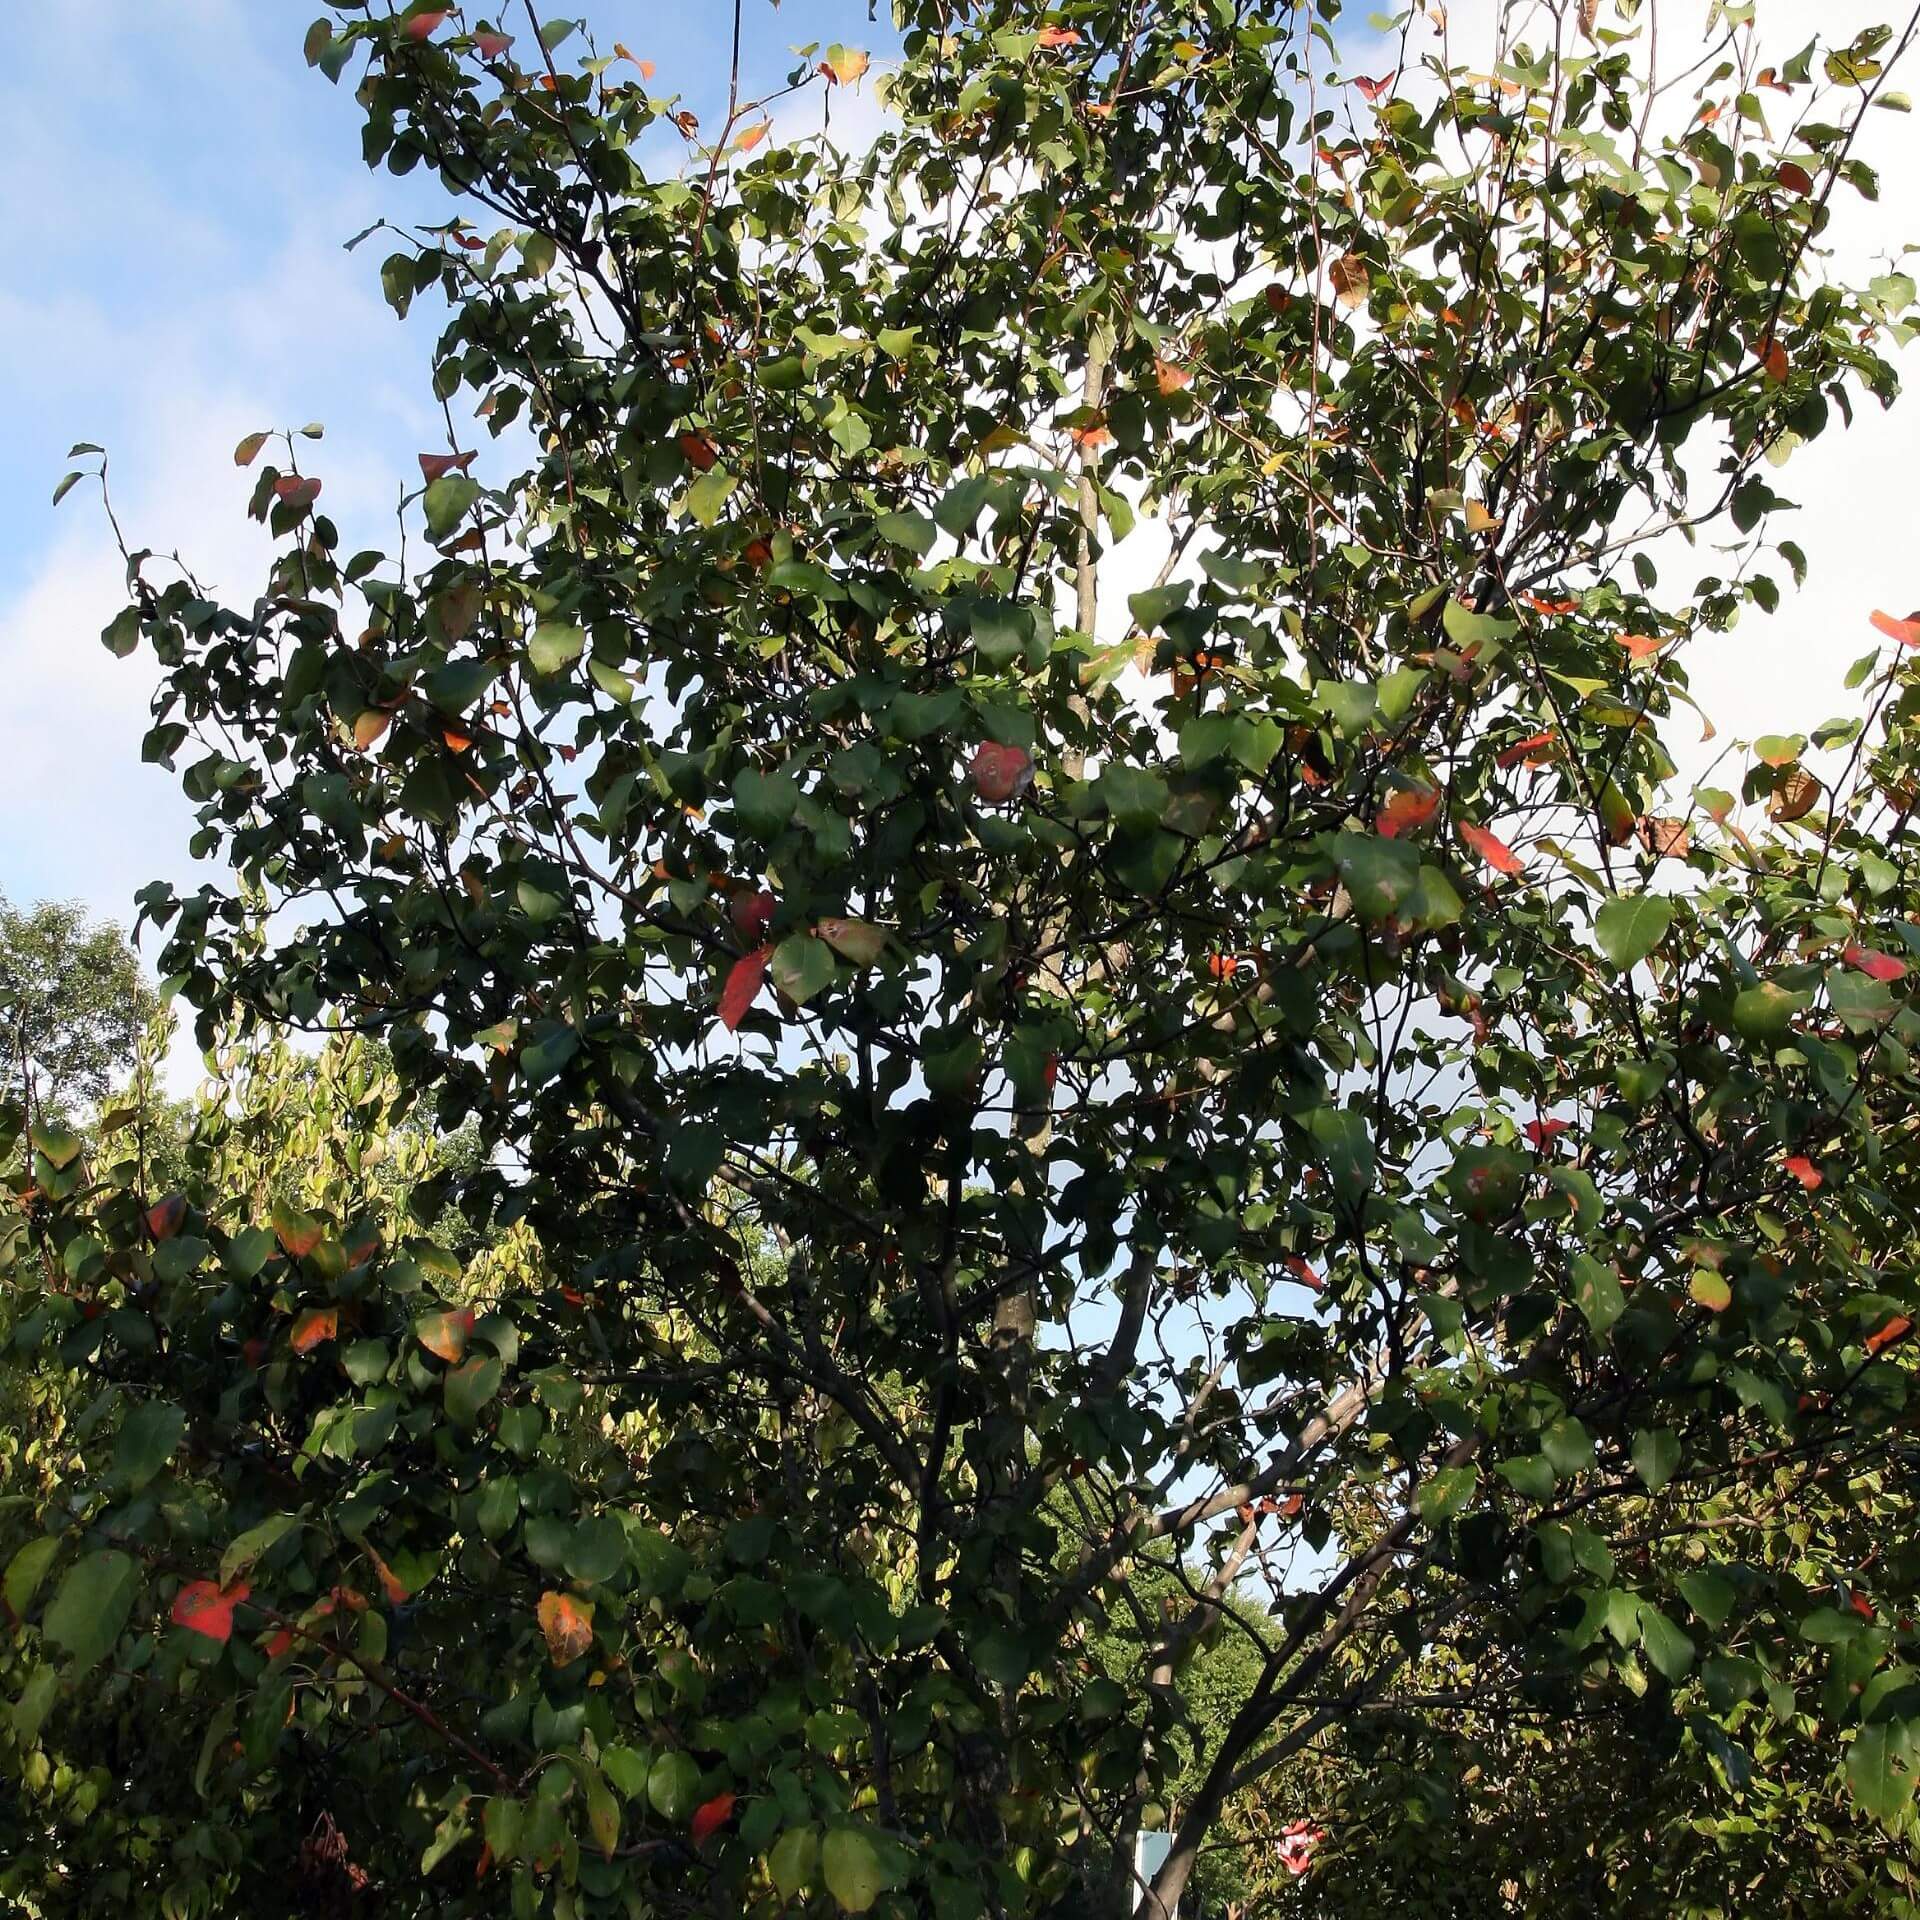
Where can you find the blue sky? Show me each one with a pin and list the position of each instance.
(179, 188)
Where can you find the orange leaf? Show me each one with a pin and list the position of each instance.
(1641, 646)
(1540, 605)
(568, 1626)
(1348, 276)
(1895, 1329)
(710, 1818)
(698, 450)
(1795, 795)
(743, 986)
(1493, 850)
(204, 1607)
(315, 1326)
(1090, 437)
(1407, 810)
(436, 466)
(1796, 179)
(999, 773)
(1874, 964)
(445, 1335)
(1773, 358)
(369, 727)
(1169, 378)
(1805, 1172)
(1302, 1272)
(753, 136)
(1522, 749)
(390, 1582)
(1056, 37)
(457, 742)
(1906, 631)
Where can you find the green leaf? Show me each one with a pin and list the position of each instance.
(1597, 1292)
(1656, 1456)
(447, 502)
(555, 645)
(603, 1811)
(852, 1870)
(1447, 1493)
(147, 1439)
(1763, 1015)
(794, 1861)
(25, 1571)
(1628, 929)
(597, 1549)
(247, 1549)
(672, 1787)
(1878, 1772)
(1380, 875)
(1134, 797)
(1568, 1444)
(85, 1616)
(469, 1387)
(913, 531)
(802, 966)
(1666, 1646)
(35, 1703)
(1710, 1596)
(764, 802)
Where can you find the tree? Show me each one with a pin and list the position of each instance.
(1020, 1106)
(73, 1004)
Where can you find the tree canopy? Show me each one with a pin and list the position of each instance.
(1047, 1140)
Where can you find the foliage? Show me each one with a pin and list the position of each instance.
(1016, 1106)
(73, 1005)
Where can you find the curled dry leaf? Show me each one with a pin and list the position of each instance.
(1348, 276)
(1000, 773)
(1491, 848)
(743, 986)
(1664, 838)
(1795, 794)
(568, 1626)
(206, 1607)
(1406, 811)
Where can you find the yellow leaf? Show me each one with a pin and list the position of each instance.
(369, 727)
(753, 136)
(1479, 520)
(844, 65)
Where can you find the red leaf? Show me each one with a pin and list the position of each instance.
(743, 986)
(203, 1606)
(1906, 631)
(492, 45)
(1540, 605)
(751, 914)
(166, 1217)
(436, 466)
(297, 490)
(999, 773)
(424, 24)
(1641, 645)
(1540, 1134)
(1523, 749)
(1796, 179)
(1371, 90)
(1300, 1270)
(709, 1819)
(1895, 1329)
(1805, 1172)
(1407, 810)
(1056, 37)
(1874, 964)
(315, 1326)
(698, 450)
(1493, 850)
(1860, 1604)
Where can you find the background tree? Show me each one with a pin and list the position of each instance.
(1278, 1095)
(73, 1005)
